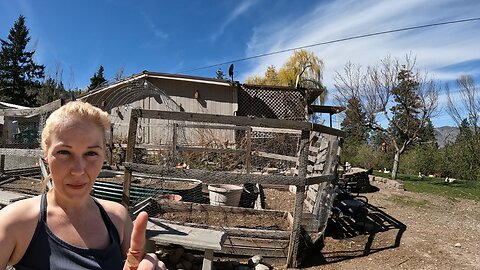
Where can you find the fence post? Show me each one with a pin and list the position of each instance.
(299, 199)
(132, 135)
(248, 150)
(174, 144)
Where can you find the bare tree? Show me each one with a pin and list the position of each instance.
(467, 104)
(398, 92)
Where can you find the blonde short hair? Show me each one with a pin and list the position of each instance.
(70, 111)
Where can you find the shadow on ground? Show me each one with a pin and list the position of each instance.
(374, 234)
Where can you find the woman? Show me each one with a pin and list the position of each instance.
(66, 228)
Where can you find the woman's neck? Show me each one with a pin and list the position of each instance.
(76, 206)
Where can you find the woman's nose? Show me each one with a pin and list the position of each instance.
(78, 166)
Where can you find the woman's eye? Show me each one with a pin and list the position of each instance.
(63, 152)
(91, 154)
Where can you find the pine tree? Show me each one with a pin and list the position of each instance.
(51, 90)
(19, 74)
(354, 123)
(97, 79)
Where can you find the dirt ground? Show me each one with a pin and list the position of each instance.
(440, 233)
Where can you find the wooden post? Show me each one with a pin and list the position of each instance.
(110, 160)
(132, 135)
(248, 153)
(299, 198)
(4, 142)
(174, 144)
(207, 260)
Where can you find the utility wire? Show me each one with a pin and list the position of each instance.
(339, 40)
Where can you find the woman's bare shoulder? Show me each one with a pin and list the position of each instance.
(26, 210)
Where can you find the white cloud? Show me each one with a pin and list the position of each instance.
(157, 32)
(434, 47)
(243, 7)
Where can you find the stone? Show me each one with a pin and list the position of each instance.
(458, 245)
(253, 261)
(261, 267)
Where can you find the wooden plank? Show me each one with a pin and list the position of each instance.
(196, 238)
(240, 232)
(248, 151)
(276, 130)
(249, 251)
(292, 257)
(172, 206)
(320, 179)
(325, 109)
(33, 111)
(257, 243)
(275, 156)
(207, 126)
(215, 177)
(7, 197)
(132, 136)
(213, 150)
(239, 121)
(207, 260)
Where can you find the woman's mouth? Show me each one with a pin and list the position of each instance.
(76, 186)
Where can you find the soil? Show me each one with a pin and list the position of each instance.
(440, 233)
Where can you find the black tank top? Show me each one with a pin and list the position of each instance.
(47, 251)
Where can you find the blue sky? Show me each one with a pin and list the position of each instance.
(179, 36)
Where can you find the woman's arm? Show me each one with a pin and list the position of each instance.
(17, 226)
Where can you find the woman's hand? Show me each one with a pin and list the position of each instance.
(136, 257)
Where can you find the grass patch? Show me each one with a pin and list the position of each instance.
(407, 201)
(460, 189)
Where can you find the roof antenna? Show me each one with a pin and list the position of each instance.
(230, 72)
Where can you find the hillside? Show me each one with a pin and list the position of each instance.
(445, 134)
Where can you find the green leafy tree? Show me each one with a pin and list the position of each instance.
(97, 79)
(270, 78)
(464, 109)
(19, 75)
(303, 69)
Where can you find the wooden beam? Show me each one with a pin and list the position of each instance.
(293, 248)
(325, 109)
(274, 156)
(276, 130)
(240, 232)
(132, 135)
(213, 150)
(215, 177)
(238, 120)
(212, 126)
(320, 179)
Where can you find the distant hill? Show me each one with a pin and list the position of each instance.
(445, 134)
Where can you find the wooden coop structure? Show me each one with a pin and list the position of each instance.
(311, 179)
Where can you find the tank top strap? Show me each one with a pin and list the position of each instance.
(108, 222)
(43, 208)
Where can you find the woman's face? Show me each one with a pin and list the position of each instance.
(75, 157)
